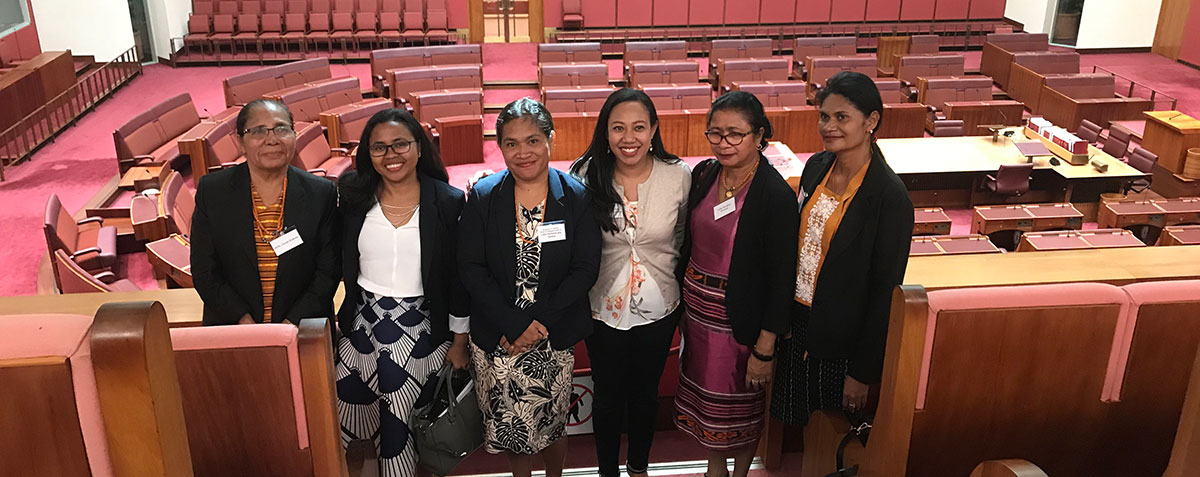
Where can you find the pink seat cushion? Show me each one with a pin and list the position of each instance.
(29, 336)
(1033, 296)
(252, 336)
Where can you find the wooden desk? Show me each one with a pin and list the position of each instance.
(1170, 134)
(1118, 266)
(785, 161)
(137, 174)
(951, 245)
(1159, 213)
(1180, 235)
(164, 255)
(1025, 217)
(1077, 239)
(931, 221)
(32, 84)
(947, 171)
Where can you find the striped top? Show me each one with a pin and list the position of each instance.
(268, 221)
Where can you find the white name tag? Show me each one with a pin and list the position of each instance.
(618, 215)
(284, 243)
(552, 231)
(725, 208)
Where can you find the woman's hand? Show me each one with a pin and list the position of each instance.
(854, 395)
(758, 373)
(534, 333)
(458, 356)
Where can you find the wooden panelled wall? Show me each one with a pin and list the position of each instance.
(643, 13)
(1172, 17)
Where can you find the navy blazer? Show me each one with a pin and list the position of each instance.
(441, 205)
(224, 261)
(762, 266)
(487, 255)
(865, 262)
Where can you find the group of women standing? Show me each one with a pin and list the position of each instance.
(627, 248)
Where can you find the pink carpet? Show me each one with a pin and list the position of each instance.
(82, 159)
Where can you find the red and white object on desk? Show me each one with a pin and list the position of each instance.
(1058, 135)
(1038, 123)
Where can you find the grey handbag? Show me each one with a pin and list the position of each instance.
(450, 427)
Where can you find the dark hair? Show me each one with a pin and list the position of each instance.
(749, 107)
(244, 115)
(600, 161)
(524, 108)
(859, 89)
(358, 187)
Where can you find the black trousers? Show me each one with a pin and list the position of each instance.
(626, 368)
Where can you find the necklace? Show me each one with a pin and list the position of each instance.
(725, 184)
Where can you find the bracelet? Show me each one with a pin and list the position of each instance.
(761, 357)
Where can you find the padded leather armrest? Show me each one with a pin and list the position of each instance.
(340, 151)
(105, 277)
(85, 251)
(99, 220)
(142, 157)
(317, 172)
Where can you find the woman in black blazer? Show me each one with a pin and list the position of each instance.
(263, 238)
(404, 301)
(737, 278)
(529, 252)
(857, 223)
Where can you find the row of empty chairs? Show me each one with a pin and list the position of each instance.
(121, 394)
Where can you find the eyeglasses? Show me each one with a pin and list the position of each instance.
(260, 132)
(733, 137)
(398, 147)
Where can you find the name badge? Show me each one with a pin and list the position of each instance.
(618, 215)
(725, 208)
(287, 241)
(800, 199)
(552, 231)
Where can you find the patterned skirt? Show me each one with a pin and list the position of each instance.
(383, 372)
(804, 384)
(524, 398)
(713, 403)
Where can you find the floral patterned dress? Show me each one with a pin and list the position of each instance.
(524, 397)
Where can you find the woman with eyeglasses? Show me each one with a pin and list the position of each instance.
(529, 251)
(737, 273)
(405, 311)
(853, 251)
(263, 238)
(639, 193)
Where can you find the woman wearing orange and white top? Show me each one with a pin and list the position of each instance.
(639, 192)
(856, 223)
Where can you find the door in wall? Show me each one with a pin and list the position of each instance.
(506, 21)
(143, 41)
(1066, 22)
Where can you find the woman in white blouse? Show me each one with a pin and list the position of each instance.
(639, 192)
(405, 309)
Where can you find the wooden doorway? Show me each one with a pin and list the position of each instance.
(506, 21)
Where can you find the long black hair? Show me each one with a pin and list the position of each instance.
(860, 90)
(358, 188)
(600, 162)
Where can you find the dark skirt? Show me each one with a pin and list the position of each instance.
(804, 384)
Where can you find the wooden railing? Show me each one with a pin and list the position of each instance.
(1138, 90)
(23, 138)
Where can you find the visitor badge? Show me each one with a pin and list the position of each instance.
(725, 208)
(618, 215)
(552, 231)
(286, 241)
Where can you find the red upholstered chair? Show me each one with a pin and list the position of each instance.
(273, 6)
(272, 32)
(322, 6)
(314, 155)
(343, 6)
(1089, 131)
(414, 22)
(343, 30)
(389, 6)
(948, 127)
(247, 32)
(1144, 161)
(199, 28)
(368, 29)
(88, 242)
(1010, 179)
(74, 279)
(318, 29)
(572, 14)
(389, 25)
(298, 6)
(296, 31)
(222, 33)
(369, 6)
(203, 7)
(250, 6)
(437, 22)
(227, 7)
(1117, 143)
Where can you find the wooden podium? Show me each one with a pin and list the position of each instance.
(1170, 134)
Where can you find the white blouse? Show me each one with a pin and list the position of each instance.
(389, 260)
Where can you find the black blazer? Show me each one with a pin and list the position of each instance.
(441, 205)
(762, 268)
(225, 265)
(487, 258)
(865, 261)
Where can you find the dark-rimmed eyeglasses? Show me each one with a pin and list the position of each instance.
(398, 147)
(732, 137)
(260, 132)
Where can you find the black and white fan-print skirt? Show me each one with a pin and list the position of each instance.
(384, 370)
